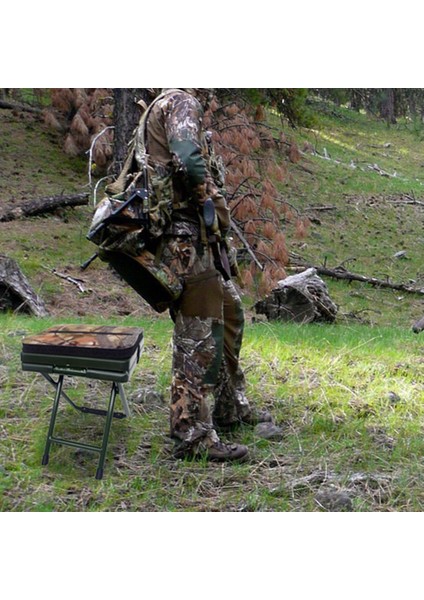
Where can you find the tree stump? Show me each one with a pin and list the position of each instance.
(15, 291)
(300, 298)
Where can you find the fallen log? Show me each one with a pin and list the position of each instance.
(19, 106)
(16, 293)
(341, 273)
(408, 201)
(38, 206)
(316, 208)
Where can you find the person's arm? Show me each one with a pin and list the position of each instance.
(184, 130)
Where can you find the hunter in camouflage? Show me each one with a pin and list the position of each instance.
(208, 385)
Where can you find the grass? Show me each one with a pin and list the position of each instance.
(347, 399)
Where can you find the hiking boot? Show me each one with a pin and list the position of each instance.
(254, 417)
(218, 452)
(221, 452)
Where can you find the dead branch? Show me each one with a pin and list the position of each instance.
(18, 106)
(380, 171)
(341, 273)
(90, 151)
(408, 201)
(240, 235)
(37, 206)
(74, 280)
(321, 208)
(303, 168)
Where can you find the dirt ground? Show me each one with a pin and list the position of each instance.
(57, 276)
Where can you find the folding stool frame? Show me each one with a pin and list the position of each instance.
(116, 388)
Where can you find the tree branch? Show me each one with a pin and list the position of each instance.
(342, 273)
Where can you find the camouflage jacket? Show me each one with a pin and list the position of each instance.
(179, 156)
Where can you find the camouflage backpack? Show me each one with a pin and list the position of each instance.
(150, 214)
(135, 213)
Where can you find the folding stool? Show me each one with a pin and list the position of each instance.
(97, 352)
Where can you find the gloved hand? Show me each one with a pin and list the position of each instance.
(210, 218)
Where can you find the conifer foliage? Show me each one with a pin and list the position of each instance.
(82, 114)
(254, 170)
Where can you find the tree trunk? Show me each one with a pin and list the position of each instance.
(356, 101)
(126, 115)
(387, 106)
(15, 292)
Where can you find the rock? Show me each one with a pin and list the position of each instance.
(334, 500)
(418, 326)
(394, 398)
(268, 431)
(18, 333)
(148, 397)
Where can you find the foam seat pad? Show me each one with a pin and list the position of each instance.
(90, 341)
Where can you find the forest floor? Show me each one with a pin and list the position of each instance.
(347, 396)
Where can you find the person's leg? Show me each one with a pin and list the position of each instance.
(231, 403)
(194, 351)
(198, 344)
(196, 357)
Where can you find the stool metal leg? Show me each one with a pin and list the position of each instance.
(109, 417)
(124, 400)
(58, 385)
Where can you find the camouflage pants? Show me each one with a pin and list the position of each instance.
(207, 381)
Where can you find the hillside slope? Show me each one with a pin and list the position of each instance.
(362, 186)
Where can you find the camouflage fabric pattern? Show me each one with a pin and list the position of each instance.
(148, 276)
(86, 339)
(162, 273)
(129, 238)
(207, 383)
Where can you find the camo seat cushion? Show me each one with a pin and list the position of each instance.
(90, 341)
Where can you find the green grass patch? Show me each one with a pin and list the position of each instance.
(348, 399)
